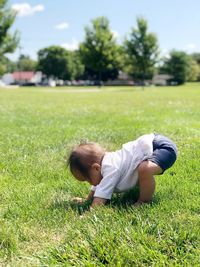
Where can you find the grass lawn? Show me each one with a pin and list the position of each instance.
(41, 226)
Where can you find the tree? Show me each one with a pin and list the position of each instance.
(74, 65)
(25, 63)
(193, 70)
(52, 61)
(99, 52)
(178, 66)
(57, 62)
(8, 42)
(196, 57)
(6, 65)
(142, 52)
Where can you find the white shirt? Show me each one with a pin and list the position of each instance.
(119, 168)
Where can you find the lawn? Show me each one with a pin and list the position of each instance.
(39, 223)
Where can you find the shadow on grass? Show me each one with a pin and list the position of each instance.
(68, 205)
(119, 201)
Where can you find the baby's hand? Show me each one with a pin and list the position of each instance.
(78, 200)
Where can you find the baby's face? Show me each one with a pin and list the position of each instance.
(94, 175)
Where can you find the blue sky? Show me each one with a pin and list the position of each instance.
(42, 23)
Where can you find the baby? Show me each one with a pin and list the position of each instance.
(135, 163)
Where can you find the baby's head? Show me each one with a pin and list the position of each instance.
(85, 162)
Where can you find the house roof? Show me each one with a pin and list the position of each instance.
(23, 75)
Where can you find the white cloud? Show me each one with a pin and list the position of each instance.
(74, 45)
(62, 26)
(190, 48)
(165, 53)
(115, 34)
(25, 9)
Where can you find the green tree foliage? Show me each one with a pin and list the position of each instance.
(196, 57)
(25, 63)
(181, 67)
(193, 70)
(52, 61)
(7, 65)
(2, 65)
(8, 42)
(75, 66)
(99, 52)
(142, 52)
(57, 62)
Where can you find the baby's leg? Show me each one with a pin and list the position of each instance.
(163, 157)
(146, 171)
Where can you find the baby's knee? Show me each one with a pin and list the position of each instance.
(149, 168)
(143, 168)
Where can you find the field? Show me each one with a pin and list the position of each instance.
(39, 223)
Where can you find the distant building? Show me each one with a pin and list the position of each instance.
(161, 79)
(7, 79)
(22, 77)
(122, 79)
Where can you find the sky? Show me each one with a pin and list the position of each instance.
(42, 23)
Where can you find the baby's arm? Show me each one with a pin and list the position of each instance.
(90, 195)
(104, 190)
(82, 200)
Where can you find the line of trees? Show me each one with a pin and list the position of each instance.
(99, 56)
(8, 42)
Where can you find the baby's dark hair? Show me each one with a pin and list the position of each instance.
(83, 156)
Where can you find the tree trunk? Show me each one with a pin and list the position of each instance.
(100, 77)
(143, 80)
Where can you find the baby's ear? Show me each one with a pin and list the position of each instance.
(96, 166)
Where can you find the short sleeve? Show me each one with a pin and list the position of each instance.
(145, 144)
(93, 188)
(105, 188)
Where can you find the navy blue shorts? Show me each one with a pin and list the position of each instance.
(164, 152)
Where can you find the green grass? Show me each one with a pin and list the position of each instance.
(39, 224)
